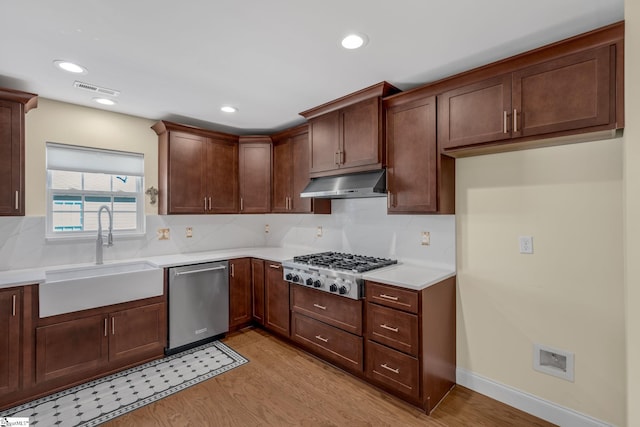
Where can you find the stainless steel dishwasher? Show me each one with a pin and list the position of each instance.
(198, 304)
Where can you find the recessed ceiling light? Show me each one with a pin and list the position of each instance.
(70, 67)
(228, 109)
(354, 41)
(105, 101)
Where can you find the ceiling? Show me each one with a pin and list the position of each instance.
(182, 60)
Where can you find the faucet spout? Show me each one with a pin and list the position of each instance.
(99, 241)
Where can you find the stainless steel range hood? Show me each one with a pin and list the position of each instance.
(365, 184)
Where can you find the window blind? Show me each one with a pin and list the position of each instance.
(83, 159)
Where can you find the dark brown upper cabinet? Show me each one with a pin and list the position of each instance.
(291, 174)
(197, 170)
(13, 107)
(565, 89)
(346, 135)
(255, 174)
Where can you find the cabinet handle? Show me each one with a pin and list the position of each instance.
(515, 120)
(389, 199)
(113, 326)
(17, 200)
(322, 339)
(210, 207)
(389, 328)
(233, 273)
(321, 307)
(385, 296)
(336, 157)
(241, 203)
(105, 326)
(277, 267)
(504, 122)
(395, 371)
(205, 203)
(13, 307)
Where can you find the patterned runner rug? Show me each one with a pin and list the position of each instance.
(95, 402)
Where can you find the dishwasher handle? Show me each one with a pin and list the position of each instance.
(202, 270)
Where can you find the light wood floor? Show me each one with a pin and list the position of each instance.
(283, 386)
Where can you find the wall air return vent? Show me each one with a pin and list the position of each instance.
(95, 89)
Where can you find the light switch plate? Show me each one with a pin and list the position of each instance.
(189, 232)
(425, 238)
(319, 231)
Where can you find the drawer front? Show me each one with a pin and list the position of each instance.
(333, 344)
(393, 328)
(391, 296)
(341, 312)
(396, 370)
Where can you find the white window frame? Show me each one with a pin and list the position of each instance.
(94, 160)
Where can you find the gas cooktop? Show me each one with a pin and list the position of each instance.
(334, 272)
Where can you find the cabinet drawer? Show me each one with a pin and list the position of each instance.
(394, 328)
(343, 313)
(333, 344)
(391, 296)
(393, 369)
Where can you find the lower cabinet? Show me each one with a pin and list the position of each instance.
(410, 348)
(240, 306)
(82, 346)
(257, 289)
(276, 291)
(10, 349)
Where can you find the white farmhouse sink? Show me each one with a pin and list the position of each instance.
(90, 286)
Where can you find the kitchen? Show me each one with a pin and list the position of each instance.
(547, 193)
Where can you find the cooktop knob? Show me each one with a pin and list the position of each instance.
(317, 284)
(343, 290)
(296, 278)
(309, 281)
(333, 288)
(288, 277)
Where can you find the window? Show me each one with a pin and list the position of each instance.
(80, 180)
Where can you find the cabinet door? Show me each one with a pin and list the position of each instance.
(71, 349)
(239, 292)
(11, 158)
(324, 134)
(572, 92)
(137, 333)
(276, 299)
(412, 157)
(222, 176)
(300, 174)
(187, 183)
(360, 141)
(282, 165)
(480, 112)
(255, 177)
(257, 288)
(10, 349)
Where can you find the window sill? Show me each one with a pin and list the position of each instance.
(93, 237)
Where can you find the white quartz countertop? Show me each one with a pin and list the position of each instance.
(410, 276)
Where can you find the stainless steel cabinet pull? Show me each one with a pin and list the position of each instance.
(274, 266)
(504, 124)
(322, 339)
(515, 120)
(385, 296)
(205, 203)
(389, 328)
(395, 371)
(13, 309)
(210, 207)
(233, 273)
(388, 199)
(105, 326)
(181, 273)
(321, 307)
(17, 200)
(113, 326)
(241, 204)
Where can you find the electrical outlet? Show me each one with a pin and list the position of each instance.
(319, 231)
(526, 244)
(266, 228)
(163, 234)
(189, 232)
(426, 238)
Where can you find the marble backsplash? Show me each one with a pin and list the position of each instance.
(358, 226)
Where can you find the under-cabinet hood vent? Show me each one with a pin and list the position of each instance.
(355, 185)
(95, 89)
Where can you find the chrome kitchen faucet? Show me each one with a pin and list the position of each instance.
(99, 242)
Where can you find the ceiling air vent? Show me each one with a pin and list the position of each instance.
(95, 89)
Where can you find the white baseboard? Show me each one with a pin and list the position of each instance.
(526, 402)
